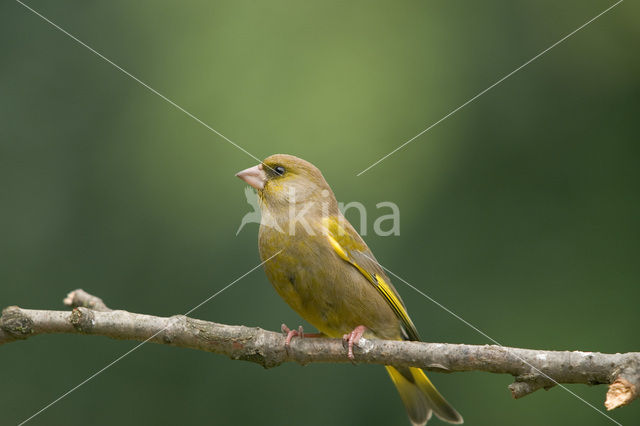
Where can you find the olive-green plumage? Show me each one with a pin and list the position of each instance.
(325, 271)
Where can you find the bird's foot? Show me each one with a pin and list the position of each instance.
(353, 338)
(291, 334)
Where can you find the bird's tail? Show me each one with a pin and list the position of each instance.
(420, 397)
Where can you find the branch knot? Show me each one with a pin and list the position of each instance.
(82, 319)
(14, 322)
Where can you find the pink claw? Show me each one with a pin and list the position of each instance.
(299, 332)
(353, 338)
(291, 334)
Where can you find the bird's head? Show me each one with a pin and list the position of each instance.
(283, 179)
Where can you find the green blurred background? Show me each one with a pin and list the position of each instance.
(520, 212)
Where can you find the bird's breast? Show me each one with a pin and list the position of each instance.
(324, 289)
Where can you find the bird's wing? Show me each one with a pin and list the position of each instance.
(349, 246)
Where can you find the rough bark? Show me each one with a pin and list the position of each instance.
(531, 369)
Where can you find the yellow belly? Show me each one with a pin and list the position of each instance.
(323, 289)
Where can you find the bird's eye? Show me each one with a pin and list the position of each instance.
(279, 170)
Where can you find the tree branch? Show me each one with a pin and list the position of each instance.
(532, 369)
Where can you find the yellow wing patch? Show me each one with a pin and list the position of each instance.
(338, 248)
(396, 305)
(341, 236)
(377, 281)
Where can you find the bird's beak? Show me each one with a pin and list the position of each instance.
(254, 176)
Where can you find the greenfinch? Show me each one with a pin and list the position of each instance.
(324, 270)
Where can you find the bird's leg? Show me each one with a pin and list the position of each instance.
(353, 338)
(299, 332)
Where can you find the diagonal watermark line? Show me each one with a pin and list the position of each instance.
(145, 85)
(492, 86)
(142, 343)
(493, 340)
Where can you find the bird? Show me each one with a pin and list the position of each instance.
(323, 269)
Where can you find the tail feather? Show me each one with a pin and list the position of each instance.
(420, 397)
(415, 402)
